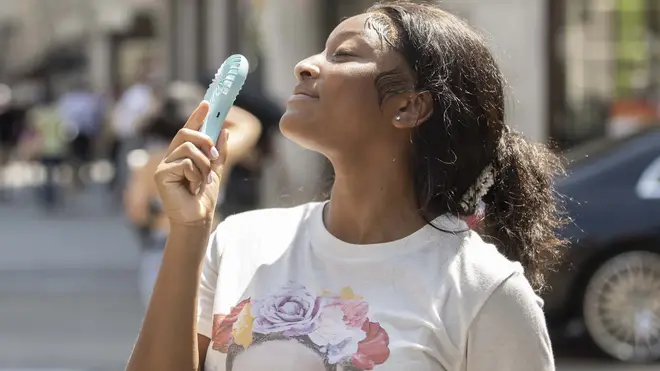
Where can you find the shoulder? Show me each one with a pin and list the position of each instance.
(480, 265)
(478, 269)
(513, 299)
(511, 327)
(486, 288)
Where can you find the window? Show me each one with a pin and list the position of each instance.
(648, 185)
(608, 54)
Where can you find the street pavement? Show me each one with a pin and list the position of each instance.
(68, 293)
(68, 296)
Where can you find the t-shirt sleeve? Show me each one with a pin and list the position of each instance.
(208, 282)
(510, 332)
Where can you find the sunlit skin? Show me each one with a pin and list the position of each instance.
(335, 110)
(141, 188)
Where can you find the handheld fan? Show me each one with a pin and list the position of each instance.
(222, 93)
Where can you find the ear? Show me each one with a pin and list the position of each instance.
(413, 111)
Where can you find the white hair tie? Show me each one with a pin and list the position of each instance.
(479, 189)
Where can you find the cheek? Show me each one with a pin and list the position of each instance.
(347, 112)
(354, 101)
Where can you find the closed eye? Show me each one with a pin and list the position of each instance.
(342, 53)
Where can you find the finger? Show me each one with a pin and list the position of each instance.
(218, 164)
(192, 174)
(200, 140)
(189, 150)
(196, 119)
(180, 171)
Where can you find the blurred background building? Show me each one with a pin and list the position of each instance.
(577, 70)
(47, 42)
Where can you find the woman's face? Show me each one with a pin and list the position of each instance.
(335, 107)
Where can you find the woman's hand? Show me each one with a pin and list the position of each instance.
(188, 178)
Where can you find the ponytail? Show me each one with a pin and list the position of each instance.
(523, 212)
(464, 149)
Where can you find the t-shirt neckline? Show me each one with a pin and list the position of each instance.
(326, 243)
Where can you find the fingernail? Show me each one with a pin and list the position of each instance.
(209, 178)
(214, 153)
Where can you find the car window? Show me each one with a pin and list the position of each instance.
(599, 147)
(648, 185)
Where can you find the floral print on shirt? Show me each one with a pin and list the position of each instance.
(335, 326)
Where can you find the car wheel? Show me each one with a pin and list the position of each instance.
(621, 307)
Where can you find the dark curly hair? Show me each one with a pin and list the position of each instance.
(467, 132)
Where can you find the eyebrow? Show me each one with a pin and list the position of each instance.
(350, 33)
(344, 35)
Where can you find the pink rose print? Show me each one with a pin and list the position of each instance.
(373, 350)
(355, 312)
(222, 325)
(294, 311)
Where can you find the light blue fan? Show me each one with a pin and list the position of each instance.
(222, 93)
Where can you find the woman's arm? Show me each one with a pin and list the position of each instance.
(510, 333)
(195, 294)
(168, 339)
(245, 130)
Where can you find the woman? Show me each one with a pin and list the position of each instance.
(141, 202)
(407, 103)
(47, 143)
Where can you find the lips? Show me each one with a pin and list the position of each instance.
(304, 91)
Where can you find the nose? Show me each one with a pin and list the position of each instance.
(306, 69)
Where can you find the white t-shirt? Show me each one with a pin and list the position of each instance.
(279, 292)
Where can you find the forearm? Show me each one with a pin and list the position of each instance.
(245, 130)
(241, 147)
(168, 338)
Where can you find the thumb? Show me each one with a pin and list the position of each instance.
(218, 165)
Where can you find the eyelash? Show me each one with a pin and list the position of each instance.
(342, 54)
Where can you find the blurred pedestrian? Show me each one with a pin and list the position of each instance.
(135, 105)
(6, 134)
(82, 112)
(13, 111)
(47, 143)
(141, 201)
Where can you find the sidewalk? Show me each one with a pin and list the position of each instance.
(85, 234)
(68, 286)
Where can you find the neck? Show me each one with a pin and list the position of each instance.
(373, 206)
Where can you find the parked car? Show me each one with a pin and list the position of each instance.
(610, 278)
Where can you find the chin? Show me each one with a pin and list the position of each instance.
(301, 130)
